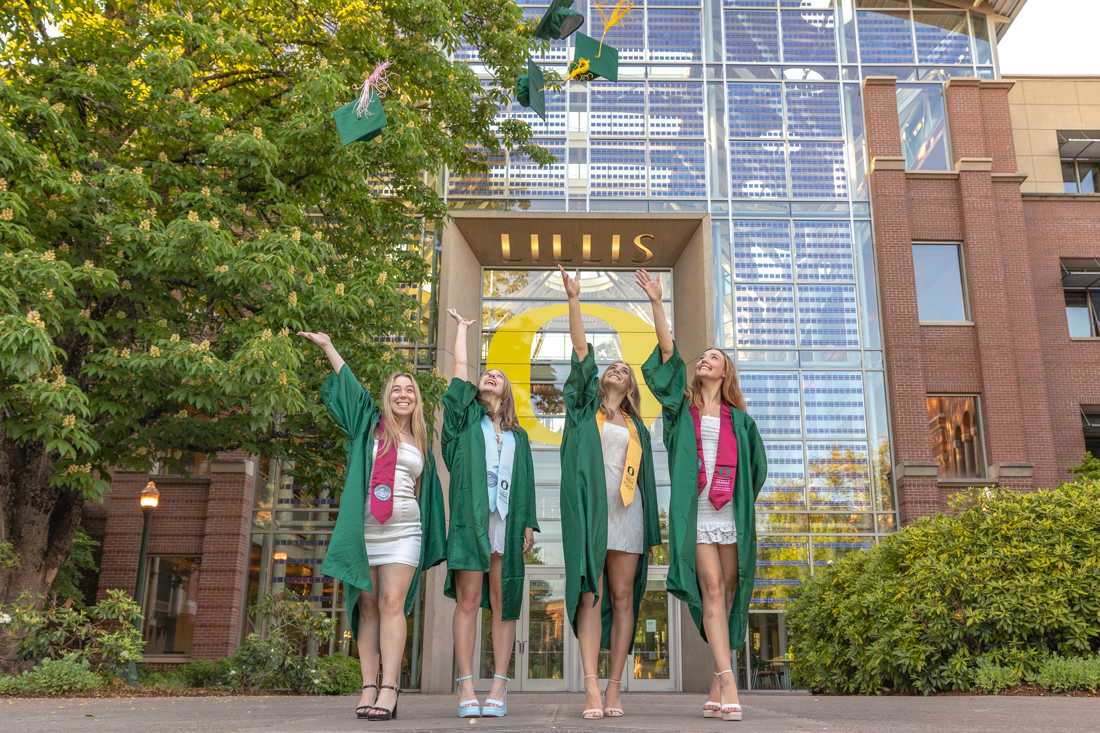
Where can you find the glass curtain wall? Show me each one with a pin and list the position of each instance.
(750, 110)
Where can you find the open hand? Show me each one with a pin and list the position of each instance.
(528, 539)
(572, 285)
(461, 321)
(651, 285)
(318, 337)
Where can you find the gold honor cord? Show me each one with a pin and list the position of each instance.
(620, 11)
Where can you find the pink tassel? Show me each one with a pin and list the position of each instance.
(377, 82)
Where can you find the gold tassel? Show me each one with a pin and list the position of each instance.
(620, 11)
(580, 69)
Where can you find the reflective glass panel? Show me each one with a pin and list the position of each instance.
(762, 250)
(818, 170)
(765, 316)
(617, 108)
(885, 37)
(752, 36)
(809, 36)
(781, 563)
(651, 653)
(938, 271)
(942, 38)
(528, 178)
(617, 169)
(678, 169)
(757, 170)
(923, 127)
(833, 404)
(674, 34)
(171, 604)
(546, 629)
(827, 316)
(785, 487)
(675, 109)
(755, 110)
(813, 110)
(954, 432)
(773, 400)
(823, 251)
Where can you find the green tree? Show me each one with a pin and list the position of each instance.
(1088, 468)
(174, 205)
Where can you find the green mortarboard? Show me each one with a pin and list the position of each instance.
(606, 64)
(530, 91)
(559, 21)
(352, 127)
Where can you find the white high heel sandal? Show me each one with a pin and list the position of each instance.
(727, 711)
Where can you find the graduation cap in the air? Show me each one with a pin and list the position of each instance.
(530, 91)
(365, 117)
(592, 59)
(559, 21)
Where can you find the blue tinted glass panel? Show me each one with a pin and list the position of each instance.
(942, 38)
(786, 474)
(677, 169)
(628, 35)
(757, 170)
(752, 35)
(617, 169)
(923, 122)
(617, 108)
(773, 400)
(765, 316)
(552, 126)
(885, 37)
(527, 178)
(674, 35)
(818, 170)
(491, 183)
(939, 282)
(833, 404)
(838, 475)
(827, 317)
(809, 36)
(813, 110)
(675, 109)
(823, 251)
(755, 110)
(762, 250)
(981, 39)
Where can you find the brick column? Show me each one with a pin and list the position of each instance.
(914, 469)
(225, 553)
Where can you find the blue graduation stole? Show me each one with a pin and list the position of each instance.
(498, 466)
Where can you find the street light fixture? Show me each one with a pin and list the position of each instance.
(149, 499)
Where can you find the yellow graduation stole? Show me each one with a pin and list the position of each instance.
(633, 457)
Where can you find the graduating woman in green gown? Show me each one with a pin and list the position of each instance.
(717, 465)
(390, 526)
(608, 510)
(492, 497)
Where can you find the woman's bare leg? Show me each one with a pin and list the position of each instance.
(504, 632)
(468, 605)
(368, 641)
(621, 570)
(588, 636)
(393, 586)
(722, 579)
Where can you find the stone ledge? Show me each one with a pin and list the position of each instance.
(887, 163)
(968, 165)
(916, 470)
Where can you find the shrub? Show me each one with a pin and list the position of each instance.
(1008, 578)
(79, 561)
(102, 635)
(992, 678)
(1069, 674)
(204, 673)
(53, 677)
(339, 675)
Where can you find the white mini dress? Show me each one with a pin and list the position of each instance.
(398, 540)
(625, 524)
(713, 526)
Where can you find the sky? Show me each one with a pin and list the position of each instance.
(1053, 37)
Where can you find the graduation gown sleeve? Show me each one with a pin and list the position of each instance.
(468, 541)
(353, 410)
(667, 381)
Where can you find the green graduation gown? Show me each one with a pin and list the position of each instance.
(352, 408)
(584, 497)
(667, 381)
(468, 541)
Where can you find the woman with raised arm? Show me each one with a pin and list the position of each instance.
(492, 499)
(717, 465)
(391, 525)
(608, 510)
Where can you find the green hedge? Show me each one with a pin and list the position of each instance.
(984, 595)
(53, 677)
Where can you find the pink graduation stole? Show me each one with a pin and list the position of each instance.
(381, 479)
(725, 463)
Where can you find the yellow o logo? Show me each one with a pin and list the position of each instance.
(510, 352)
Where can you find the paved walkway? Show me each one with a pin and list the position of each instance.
(767, 712)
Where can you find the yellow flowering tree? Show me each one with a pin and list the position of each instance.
(175, 204)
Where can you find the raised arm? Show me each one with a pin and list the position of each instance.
(652, 288)
(323, 340)
(576, 325)
(462, 325)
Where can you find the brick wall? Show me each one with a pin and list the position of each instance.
(207, 517)
(1016, 353)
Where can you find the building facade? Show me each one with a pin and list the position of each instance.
(837, 193)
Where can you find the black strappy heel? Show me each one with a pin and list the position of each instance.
(363, 711)
(377, 713)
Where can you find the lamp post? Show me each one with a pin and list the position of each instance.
(149, 499)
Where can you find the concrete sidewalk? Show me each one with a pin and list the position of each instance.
(766, 712)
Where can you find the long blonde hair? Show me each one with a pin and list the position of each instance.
(632, 400)
(391, 434)
(730, 391)
(506, 410)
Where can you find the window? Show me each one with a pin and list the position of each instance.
(171, 604)
(1081, 289)
(923, 120)
(1090, 425)
(954, 432)
(939, 275)
(1080, 176)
